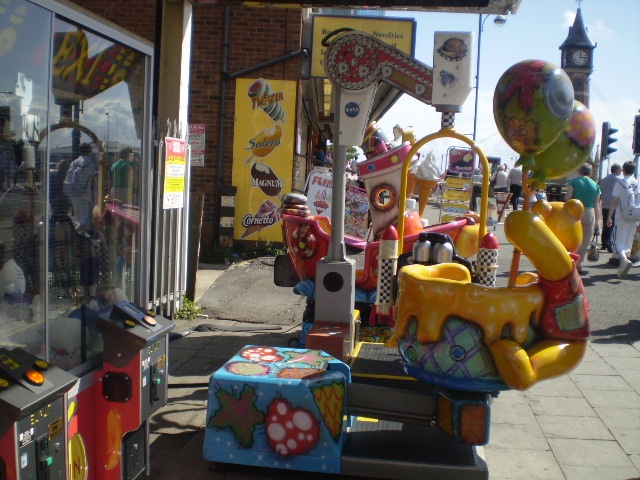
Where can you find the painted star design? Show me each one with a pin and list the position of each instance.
(238, 414)
(310, 357)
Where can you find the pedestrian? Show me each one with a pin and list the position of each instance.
(625, 230)
(606, 186)
(514, 179)
(6, 160)
(58, 200)
(586, 190)
(500, 179)
(61, 227)
(123, 176)
(80, 186)
(319, 157)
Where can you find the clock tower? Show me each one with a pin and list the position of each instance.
(577, 58)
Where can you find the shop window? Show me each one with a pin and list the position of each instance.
(72, 124)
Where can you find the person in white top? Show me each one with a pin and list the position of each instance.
(606, 186)
(514, 179)
(625, 230)
(499, 178)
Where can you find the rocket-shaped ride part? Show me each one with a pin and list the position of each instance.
(487, 260)
(387, 266)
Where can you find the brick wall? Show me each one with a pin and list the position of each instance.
(256, 35)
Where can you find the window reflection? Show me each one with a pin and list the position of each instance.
(25, 36)
(72, 129)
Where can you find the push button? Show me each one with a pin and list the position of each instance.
(33, 377)
(149, 320)
(40, 365)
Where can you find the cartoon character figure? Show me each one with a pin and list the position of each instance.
(533, 331)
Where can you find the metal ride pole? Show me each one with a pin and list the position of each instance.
(335, 273)
(337, 251)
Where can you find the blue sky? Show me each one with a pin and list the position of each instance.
(536, 31)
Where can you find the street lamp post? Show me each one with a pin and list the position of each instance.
(107, 114)
(499, 21)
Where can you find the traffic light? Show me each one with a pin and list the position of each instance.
(607, 140)
(636, 136)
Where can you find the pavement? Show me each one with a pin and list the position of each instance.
(584, 425)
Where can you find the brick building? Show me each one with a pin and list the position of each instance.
(255, 36)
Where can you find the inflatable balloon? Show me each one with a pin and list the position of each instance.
(532, 104)
(570, 150)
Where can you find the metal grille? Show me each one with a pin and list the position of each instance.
(169, 238)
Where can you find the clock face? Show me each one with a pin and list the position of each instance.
(579, 57)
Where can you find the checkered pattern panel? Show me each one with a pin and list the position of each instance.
(487, 257)
(385, 282)
(486, 279)
(486, 267)
(448, 120)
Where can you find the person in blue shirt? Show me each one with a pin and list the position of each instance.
(319, 158)
(80, 186)
(586, 190)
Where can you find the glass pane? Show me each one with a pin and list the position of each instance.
(94, 141)
(25, 34)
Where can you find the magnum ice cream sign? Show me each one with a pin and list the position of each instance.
(263, 152)
(266, 179)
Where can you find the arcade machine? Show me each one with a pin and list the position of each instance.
(32, 417)
(55, 425)
(109, 428)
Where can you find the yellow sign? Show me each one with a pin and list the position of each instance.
(455, 208)
(175, 164)
(263, 150)
(457, 195)
(458, 182)
(397, 32)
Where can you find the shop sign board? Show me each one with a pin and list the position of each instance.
(174, 169)
(197, 140)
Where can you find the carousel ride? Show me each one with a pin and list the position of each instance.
(451, 328)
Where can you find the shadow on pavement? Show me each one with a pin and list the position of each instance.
(628, 333)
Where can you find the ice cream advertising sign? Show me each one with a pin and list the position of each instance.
(263, 144)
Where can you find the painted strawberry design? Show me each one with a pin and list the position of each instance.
(290, 431)
(261, 354)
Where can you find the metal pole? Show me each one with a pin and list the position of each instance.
(107, 114)
(337, 249)
(475, 112)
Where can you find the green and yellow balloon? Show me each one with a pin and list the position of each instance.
(532, 105)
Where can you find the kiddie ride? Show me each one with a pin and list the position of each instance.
(349, 404)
